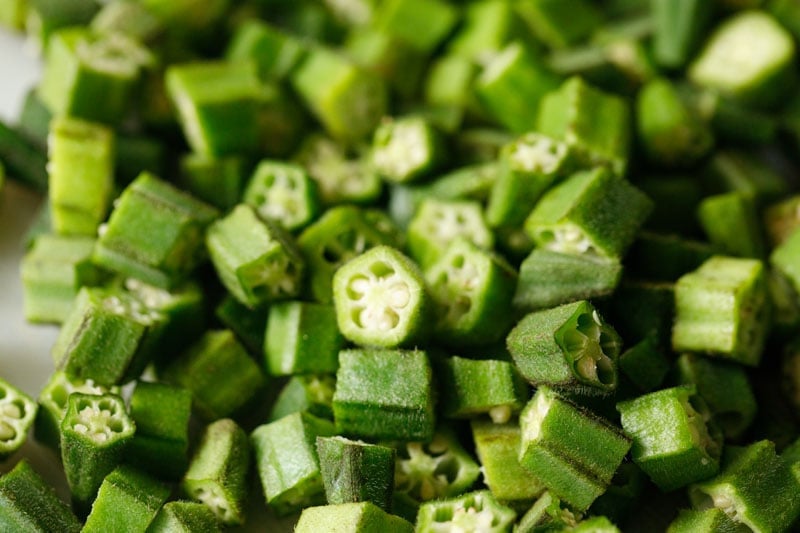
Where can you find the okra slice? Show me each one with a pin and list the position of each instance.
(545, 514)
(219, 372)
(371, 403)
(354, 471)
(28, 503)
(155, 233)
(785, 259)
(218, 181)
(405, 149)
(730, 221)
(755, 488)
(713, 520)
(571, 451)
(247, 324)
(17, 414)
(22, 159)
(497, 446)
(311, 393)
(569, 346)
(184, 517)
(287, 461)
(283, 193)
(678, 26)
(645, 364)
(591, 212)
(80, 175)
(128, 500)
(731, 65)
(512, 84)
(423, 24)
(217, 474)
(109, 337)
(131, 19)
(95, 432)
(721, 309)
(380, 299)
(476, 511)
(672, 442)
(217, 104)
(548, 278)
(161, 413)
(351, 518)
(53, 271)
(301, 338)
(274, 51)
(255, 260)
(468, 388)
(596, 124)
(347, 99)
(559, 24)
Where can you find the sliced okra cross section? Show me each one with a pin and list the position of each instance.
(351, 517)
(284, 193)
(184, 517)
(128, 500)
(95, 432)
(256, 260)
(380, 299)
(17, 415)
(405, 149)
(569, 346)
(217, 474)
(546, 513)
(475, 511)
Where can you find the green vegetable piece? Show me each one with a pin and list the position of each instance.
(302, 338)
(353, 471)
(486, 27)
(127, 500)
(45, 17)
(678, 26)
(405, 149)
(624, 496)
(470, 512)
(569, 346)
(28, 503)
(13, 14)
(724, 388)
(108, 337)
(591, 212)
(348, 100)
(275, 52)
(745, 172)
(17, 413)
(217, 474)
(497, 446)
(437, 223)
(511, 86)
(729, 64)
(423, 24)
(155, 233)
(547, 514)
(447, 89)
(572, 452)
(218, 181)
(380, 299)
(255, 260)
(135, 154)
(785, 258)
(781, 219)
(282, 121)
(95, 433)
(548, 278)
(644, 363)
(247, 324)
(730, 221)
(713, 520)
(350, 518)
(217, 103)
(559, 23)
(220, 374)
(471, 290)
(472, 387)
(671, 441)
(594, 123)
(721, 309)
(161, 413)
(670, 133)
(755, 488)
(184, 517)
(369, 402)
(53, 270)
(92, 76)
(81, 175)
(22, 159)
(131, 19)
(306, 393)
(287, 461)
(283, 193)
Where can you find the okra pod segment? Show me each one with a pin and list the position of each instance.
(547, 512)
(784, 259)
(678, 26)
(218, 181)
(17, 414)
(559, 24)
(283, 193)
(351, 518)
(184, 517)
(469, 388)
(469, 512)
(730, 221)
(127, 500)
(405, 149)
(311, 393)
(275, 52)
(423, 24)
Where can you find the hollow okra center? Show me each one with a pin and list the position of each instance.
(464, 516)
(589, 346)
(211, 496)
(537, 155)
(98, 419)
(427, 470)
(453, 286)
(378, 294)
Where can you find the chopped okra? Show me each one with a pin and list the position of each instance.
(184, 517)
(360, 517)
(472, 387)
(17, 413)
(476, 511)
(283, 193)
(406, 149)
(127, 500)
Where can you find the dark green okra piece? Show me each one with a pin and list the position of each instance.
(247, 324)
(712, 520)
(745, 172)
(22, 160)
(730, 221)
(28, 503)
(721, 309)
(370, 402)
(560, 23)
(350, 518)
(380, 299)
(678, 26)
(218, 181)
(128, 500)
(470, 512)
(571, 451)
(785, 259)
(219, 372)
(17, 415)
(497, 446)
(644, 363)
(283, 193)
(591, 212)
(423, 24)
(155, 233)
(469, 388)
(354, 471)
(184, 517)
(657, 257)
(755, 487)
(309, 393)
(287, 461)
(569, 346)
(672, 442)
(406, 149)
(218, 472)
(95, 433)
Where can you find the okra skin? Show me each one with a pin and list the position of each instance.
(468, 388)
(311, 393)
(703, 521)
(184, 517)
(247, 324)
(784, 258)
(678, 27)
(127, 500)
(406, 149)
(730, 221)
(274, 51)
(17, 414)
(423, 24)
(559, 24)
(22, 160)
(468, 512)
(351, 518)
